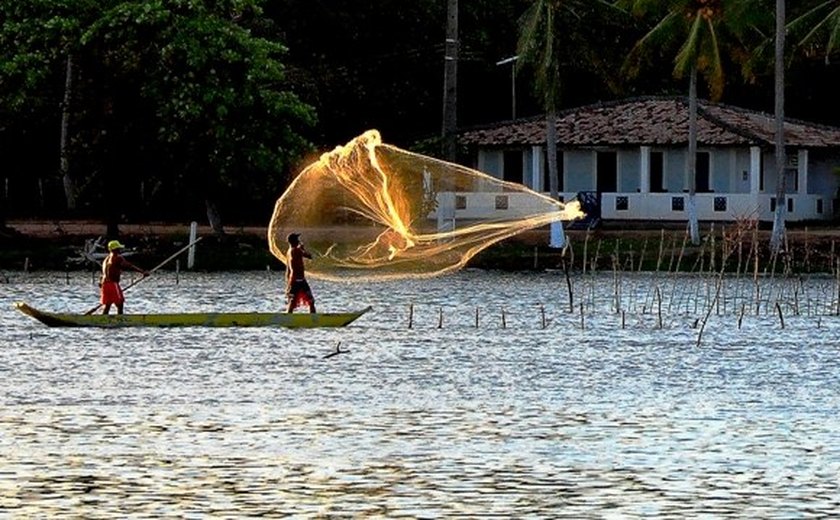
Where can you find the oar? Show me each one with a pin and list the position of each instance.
(135, 282)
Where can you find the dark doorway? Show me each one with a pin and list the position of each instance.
(702, 172)
(657, 172)
(607, 172)
(513, 166)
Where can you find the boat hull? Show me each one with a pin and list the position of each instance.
(197, 319)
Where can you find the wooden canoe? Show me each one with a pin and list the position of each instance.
(196, 319)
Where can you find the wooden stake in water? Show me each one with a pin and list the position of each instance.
(582, 324)
(504, 319)
(476, 317)
(542, 314)
(781, 317)
(440, 318)
(585, 250)
(410, 315)
(659, 307)
(661, 249)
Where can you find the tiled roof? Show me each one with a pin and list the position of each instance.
(656, 121)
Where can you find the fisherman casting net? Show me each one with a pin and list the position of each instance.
(369, 210)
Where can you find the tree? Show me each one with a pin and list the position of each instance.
(184, 91)
(548, 29)
(699, 27)
(213, 89)
(822, 20)
(39, 39)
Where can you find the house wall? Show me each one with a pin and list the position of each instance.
(579, 171)
(490, 162)
(720, 165)
(674, 170)
(730, 180)
(740, 171)
(629, 171)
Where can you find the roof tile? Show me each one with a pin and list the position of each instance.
(656, 121)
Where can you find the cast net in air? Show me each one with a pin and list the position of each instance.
(369, 210)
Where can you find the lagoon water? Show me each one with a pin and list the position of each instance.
(606, 416)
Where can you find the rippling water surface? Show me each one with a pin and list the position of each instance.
(535, 412)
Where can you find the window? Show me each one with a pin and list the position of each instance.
(501, 202)
(460, 202)
(621, 203)
(677, 204)
(720, 203)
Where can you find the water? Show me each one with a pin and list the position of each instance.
(581, 418)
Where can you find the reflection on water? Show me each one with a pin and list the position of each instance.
(567, 417)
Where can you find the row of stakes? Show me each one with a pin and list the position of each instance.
(543, 319)
(623, 315)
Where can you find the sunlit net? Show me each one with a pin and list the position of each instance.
(369, 210)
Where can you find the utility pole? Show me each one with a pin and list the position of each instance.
(450, 82)
(512, 61)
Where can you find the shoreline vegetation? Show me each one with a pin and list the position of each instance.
(732, 248)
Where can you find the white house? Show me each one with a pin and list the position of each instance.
(631, 156)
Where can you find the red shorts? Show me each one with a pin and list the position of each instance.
(111, 292)
(299, 293)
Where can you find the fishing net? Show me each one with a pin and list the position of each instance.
(369, 210)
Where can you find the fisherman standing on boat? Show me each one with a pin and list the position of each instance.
(297, 288)
(112, 267)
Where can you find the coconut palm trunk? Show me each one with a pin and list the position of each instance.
(557, 238)
(691, 209)
(777, 236)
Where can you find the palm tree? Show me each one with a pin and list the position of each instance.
(546, 30)
(698, 27)
(820, 21)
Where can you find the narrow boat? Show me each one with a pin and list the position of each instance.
(195, 319)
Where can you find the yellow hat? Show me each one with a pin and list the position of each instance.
(115, 244)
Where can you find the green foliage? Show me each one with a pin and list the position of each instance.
(818, 28)
(701, 31)
(187, 86)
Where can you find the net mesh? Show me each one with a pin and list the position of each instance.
(369, 210)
